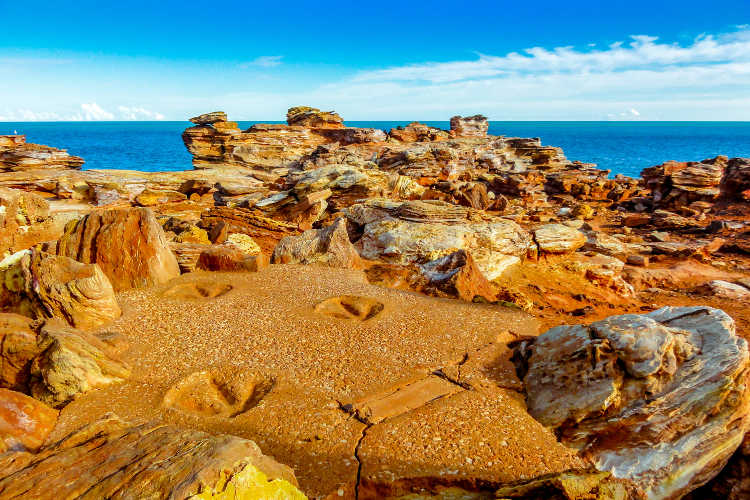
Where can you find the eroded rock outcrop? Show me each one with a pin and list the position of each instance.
(71, 362)
(329, 246)
(18, 155)
(127, 244)
(660, 398)
(42, 285)
(422, 231)
(18, 348)
(145, 461)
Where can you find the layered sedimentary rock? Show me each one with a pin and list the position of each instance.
(679, 184)
(18, 155)
(42, 285)
(145, 461)
(476, 125)
(127, 244)
(660, 398)
(419, 232)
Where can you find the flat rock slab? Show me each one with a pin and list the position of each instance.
(401, 398)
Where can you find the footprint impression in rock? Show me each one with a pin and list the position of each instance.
(350, 307)
(197, 290)
(210, 394)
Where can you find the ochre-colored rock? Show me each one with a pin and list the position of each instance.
(70, 363)
(128, 244)
(660, 399)
(558, 239)
(42, 285)
(312, 117)
(113, 459)
(476, 125)
(328, 246)
(18, 347)
(24, 422)
(457, 275)
(24, 221)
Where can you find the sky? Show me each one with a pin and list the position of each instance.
(509, 60)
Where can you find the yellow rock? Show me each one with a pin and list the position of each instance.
(251, 484)
(244, 243)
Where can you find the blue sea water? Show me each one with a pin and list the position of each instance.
(622, 147)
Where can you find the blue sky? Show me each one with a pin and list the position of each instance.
(542, 60)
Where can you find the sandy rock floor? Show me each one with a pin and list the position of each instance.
(306, 369)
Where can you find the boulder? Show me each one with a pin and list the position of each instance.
(733, 482)
(727, 290)
(113, 459)
(24, 422)
(660, 399)
(559, 239)
(329, 246)
(151, 197)
(417, 232)
(42, 285)
(18, 348)
(128, 244)
(70, 363)
(228, 257)
(456, 275)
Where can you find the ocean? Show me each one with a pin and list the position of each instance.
(622, 147)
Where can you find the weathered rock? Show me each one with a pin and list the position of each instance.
(727, 290)
(475, 126)
(151, 197)
(24, 220)
(733, 482)
(329, 246)
(457, 275)
(70, 363)
(42, 285)
(18, 155)
(18, 348)
(209, 118)
(128, 244)
(660, 398)
(306, 116)
(418, 232)
(24, 422)
(244, 242)
(559, 238)
(228, 257)
(113, 459)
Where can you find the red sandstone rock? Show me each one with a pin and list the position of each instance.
(24, 422)
(128, 244)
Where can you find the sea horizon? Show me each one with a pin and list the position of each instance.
(620, 146)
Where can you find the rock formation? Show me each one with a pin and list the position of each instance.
(42, 285)
(329, 246)
(660, 399)
(18, 155)
(145, 461)
(24, 422)
(127, 244)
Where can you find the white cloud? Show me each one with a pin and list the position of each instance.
(93, 112)
(138, 113)
(88, 112)
(634, 112)
(263, 62)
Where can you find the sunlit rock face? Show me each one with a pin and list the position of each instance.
(660, 398)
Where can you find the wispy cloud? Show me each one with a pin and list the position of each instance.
(138, 113)
(86, 112)
(263, 62)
